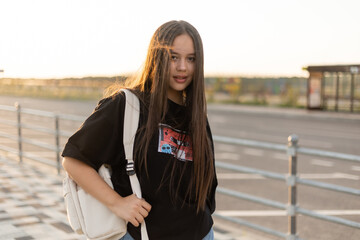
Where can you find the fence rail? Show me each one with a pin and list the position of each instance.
(291, 179)
(19, 138)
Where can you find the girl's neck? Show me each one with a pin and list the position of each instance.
(176, 97)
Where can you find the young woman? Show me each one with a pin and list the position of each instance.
(174, 154)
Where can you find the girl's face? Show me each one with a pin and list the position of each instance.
(182, 66)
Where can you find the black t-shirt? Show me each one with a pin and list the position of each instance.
(100, 140)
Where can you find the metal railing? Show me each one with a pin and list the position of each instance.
(291, 179)
(20, 139)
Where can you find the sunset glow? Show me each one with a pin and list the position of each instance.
(62, 38)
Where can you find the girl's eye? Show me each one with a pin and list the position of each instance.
(191, 59)
(174, 57)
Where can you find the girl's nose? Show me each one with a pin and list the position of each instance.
(181, 65)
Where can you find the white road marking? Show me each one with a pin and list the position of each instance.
(355, 168)
(234, 176)
(274, 213)
(347, 176)
(322, 163)
(329, 176)
(227, 156)
(254, 152)
(226, 147)
(280, 156)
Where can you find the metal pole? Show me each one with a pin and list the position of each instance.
(18, 111)
(322, 91)
(57, 141)
(352, 89)
(291, 182)
(337, 92)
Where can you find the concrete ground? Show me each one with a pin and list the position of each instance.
(32, 205)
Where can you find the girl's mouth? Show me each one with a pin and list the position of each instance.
(180, 79)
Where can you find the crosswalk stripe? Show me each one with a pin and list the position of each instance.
(355, 168)
(254, 152)
(227, 156)
(322, 163)
(280, 156)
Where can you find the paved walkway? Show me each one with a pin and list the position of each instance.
(32, 207)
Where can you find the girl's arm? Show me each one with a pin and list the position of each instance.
(130, 208)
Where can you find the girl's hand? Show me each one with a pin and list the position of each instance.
(131, 209)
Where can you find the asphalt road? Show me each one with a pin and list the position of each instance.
(337, 132)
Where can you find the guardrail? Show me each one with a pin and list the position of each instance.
(291, 178)
(55, 132)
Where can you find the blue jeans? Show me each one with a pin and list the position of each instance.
(209, 236)
(127, 236)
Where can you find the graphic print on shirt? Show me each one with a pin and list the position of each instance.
(175, 142)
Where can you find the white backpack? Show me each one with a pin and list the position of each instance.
(86, 214)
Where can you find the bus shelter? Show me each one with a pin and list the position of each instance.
(334, 87)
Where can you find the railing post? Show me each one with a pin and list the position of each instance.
(57, 143)
(291, 182)
(18, 112)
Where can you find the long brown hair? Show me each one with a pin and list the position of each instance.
(153, 80)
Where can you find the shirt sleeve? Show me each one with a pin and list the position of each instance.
(100, 138)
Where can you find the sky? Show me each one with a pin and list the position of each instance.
(78, 38)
